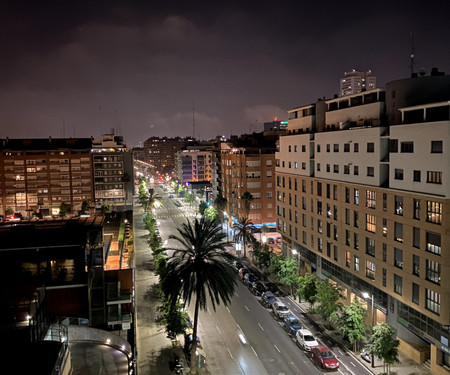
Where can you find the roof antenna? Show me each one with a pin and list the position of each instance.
(411, 36)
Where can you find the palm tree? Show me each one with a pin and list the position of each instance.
(247, 198)
(154, 199)
(200, 267)
(221, 204)
(244, 230)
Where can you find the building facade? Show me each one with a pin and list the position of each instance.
(356, 81)
(113, 173)
(364, 201)
(37, 175)
(194, 165)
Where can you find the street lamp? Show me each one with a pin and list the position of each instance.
(367, 295)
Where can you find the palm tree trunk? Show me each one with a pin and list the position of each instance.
(193, 360)
(245, 250)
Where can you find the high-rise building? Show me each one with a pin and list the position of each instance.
(357, 81)
(363, 200)
(37, 175)
(194, 165)
(113, 173)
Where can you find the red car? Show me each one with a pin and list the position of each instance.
(325, 357)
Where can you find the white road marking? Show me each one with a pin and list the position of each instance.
(276, 347)
(237, 295)
(218, 329)
(352, 364)
(228, 309)
(230, 354)
(209, 312)
(260, 326)
(247, 308)
(253, 350)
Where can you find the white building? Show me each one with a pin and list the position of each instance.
(356, 81)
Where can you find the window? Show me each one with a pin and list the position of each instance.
(398, 258)
(335, 192)
(328, 167)
(370, 223)
(303, 165)
(398, 232)
(319, 226)
(356, 263)
(416, 176)
(433, 301)
(398, 174)
(384, 277)
(416, 265)
(433, 243)
(434, 212)
(416, 214)
(436, 147)
(385, 229)
(347, 195)
(335, 168)
(434, 177)
(347, 237)
(295, 165)
(356, 170)
(289, 148)
(370, 270)
(433, 273)
(407, 147)
(328, 148)
(355, 147)
(328, 210)
(355, 219)
(398, 205)
(319, 245)
(319, 189)
(347, 216)
(384, 202)
(346, 169)
(370, 246)
(398, 284)
(303, 148)
(370, 199)
(356, 241)
(335, 147)
(335, 253)
(318, 167)
(370, 171)
(370, 147)
(415, 293)
(303, 186)
(356, 196)
(346, 147)
(347, 258)
(384, 252)
(328, 249)
(416, 237)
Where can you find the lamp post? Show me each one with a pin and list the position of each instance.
(226, 220)
(367, 295)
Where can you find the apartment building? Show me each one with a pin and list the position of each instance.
(160, 152)
(247, 169)
(113, 173)
(37, 175)
(363, 199)
(355, 82)
(194, 165)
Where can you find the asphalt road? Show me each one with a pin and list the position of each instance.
(268, 348)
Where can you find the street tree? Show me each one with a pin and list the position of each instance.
(85, 206)
(307, 288)
(189, 198)
(64, 208)
(328, 296)
(221, 204)
(247, 198)
(275, 262)
(243, 231)
(384, 346)
(154, 199)
(288, 273)
(173, 317)
(200, 270)
(351, 322)
(211, 213)
(261, 254)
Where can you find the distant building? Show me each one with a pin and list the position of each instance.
(37, 175)
(160, 152)
(275, 126)
(357, 81)
(194, 165)
(138, 153)
(113, 173)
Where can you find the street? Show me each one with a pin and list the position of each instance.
(267, 348)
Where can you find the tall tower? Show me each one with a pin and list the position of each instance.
(356, 81)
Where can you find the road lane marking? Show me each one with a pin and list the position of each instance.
(228, 309)
(254, 350)
(352, 364)
(209, 312)
(236, 294)
(276, 347)
(260, 326)
(247, 308)
(230, 354)
(218, 329)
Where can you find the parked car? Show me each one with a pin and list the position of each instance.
(366, 355)
(238, 265)
(270, 240)
(242, 272)
(249, 279)
(280, 310)
(171, 196)
(267, 299)
(258, 288)
(177, 203)
(291, 324)
(272, 287)
(325, 357)
(305, 339)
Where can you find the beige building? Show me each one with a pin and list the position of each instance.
(366, 203)
(37, 175)
(249, 170)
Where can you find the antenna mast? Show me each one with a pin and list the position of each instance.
(411, 35)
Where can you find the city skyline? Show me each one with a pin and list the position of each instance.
(153, 70)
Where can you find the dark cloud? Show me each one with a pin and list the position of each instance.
(81, 68)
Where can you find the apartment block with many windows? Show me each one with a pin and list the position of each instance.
(363, 198)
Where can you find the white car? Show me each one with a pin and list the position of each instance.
(305, 339)
(280, 310)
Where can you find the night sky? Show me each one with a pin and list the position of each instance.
(81, 68)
